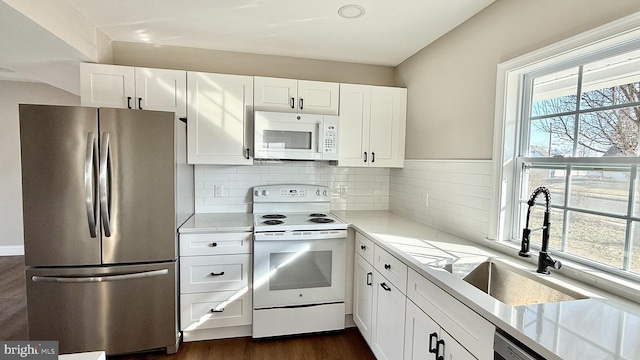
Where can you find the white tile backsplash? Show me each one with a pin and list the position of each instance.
(368, 188)
(458, 194)
(459, 190)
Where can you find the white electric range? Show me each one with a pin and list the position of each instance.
(299, 261)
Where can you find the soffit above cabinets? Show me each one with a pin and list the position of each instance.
(386, 33)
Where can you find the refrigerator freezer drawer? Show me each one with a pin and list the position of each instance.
(118, 309)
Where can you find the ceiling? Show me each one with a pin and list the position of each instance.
(387, 33)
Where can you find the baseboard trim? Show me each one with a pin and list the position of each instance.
(11, 250)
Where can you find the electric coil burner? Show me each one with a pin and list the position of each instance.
(299, 261)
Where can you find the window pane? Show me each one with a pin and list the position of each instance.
(555, 93)
(597, 238)
(552, 179)
(635, 249)
(600, 190)
(555, 133)
(611, 81)
(609, 133)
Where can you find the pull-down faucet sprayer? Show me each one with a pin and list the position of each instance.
(544, 260)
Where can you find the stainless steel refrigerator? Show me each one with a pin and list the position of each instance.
(104, 191)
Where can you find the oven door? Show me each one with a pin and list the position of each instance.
(299, 272)
(287, 136)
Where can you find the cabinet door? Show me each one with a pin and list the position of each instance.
(421, 334)
(387, 335)
(363, 296)
(355, 112)
(317, 97)
(220, 113)
(161, 90)
(275, 94)
(388, 122)
(107, 86)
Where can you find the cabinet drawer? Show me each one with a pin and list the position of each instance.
(215, 244)
(391, 268)
(215, 309)
(463, 324)
(214, 273)
(364, 247)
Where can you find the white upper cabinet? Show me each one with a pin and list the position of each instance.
(372, 125)
(297, 96)
(134, 88)
(220, 114)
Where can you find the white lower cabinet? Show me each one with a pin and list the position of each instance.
(387, 332)
(425, 339)
(215, 285)
(363, 296)
(403, 315)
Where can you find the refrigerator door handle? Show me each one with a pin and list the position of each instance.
(94, 279)
(105, 185)
(90, 176)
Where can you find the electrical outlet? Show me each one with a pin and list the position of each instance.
(343, 191)
(425, 199)
(218, 190)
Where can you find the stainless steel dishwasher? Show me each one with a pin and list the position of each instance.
(506, 348)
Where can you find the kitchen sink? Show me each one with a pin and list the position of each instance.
(515, 286)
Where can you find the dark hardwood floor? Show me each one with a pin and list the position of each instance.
(347, 344)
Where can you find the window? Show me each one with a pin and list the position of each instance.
(570, 122)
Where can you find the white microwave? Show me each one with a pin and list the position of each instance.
(291, 136)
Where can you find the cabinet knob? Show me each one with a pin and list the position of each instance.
(373, 157)
(365, 156)
(140, 103)
(246, 154)
(387, 266)
(301, 103)
(213, 244)
(369, 277)
(217, 310)
(363, 247)
(293, 103)
(217, 274)
(385, 287)
(129, 102)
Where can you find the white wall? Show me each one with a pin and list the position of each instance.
(368, 188)
(11, 94)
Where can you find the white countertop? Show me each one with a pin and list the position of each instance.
(596, 328)
(217, 222)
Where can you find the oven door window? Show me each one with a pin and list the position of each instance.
(287, 140)
(311, 269)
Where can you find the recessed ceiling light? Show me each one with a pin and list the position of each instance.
(351, 11)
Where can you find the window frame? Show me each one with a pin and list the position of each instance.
(511, 113)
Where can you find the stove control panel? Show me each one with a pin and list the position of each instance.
(291, 193)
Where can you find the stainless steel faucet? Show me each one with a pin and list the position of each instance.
(544, 260)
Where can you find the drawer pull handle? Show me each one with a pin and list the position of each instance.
(217, 274)
(217, 310)
(438, 356)
(433, 349)
(387, 266)
(369, 276)
(363, 247)
(213, 244)
(385, 287)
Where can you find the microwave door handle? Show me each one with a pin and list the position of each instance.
(320, 138)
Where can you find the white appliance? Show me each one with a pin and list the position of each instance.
(291, 136)
(299, 261)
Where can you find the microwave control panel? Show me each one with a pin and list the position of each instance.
(330, 136)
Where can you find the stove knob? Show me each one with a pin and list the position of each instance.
(265, 192)
(325, 193)
(256, 193)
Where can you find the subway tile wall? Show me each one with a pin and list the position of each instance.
(367, 188)
(456, 194)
